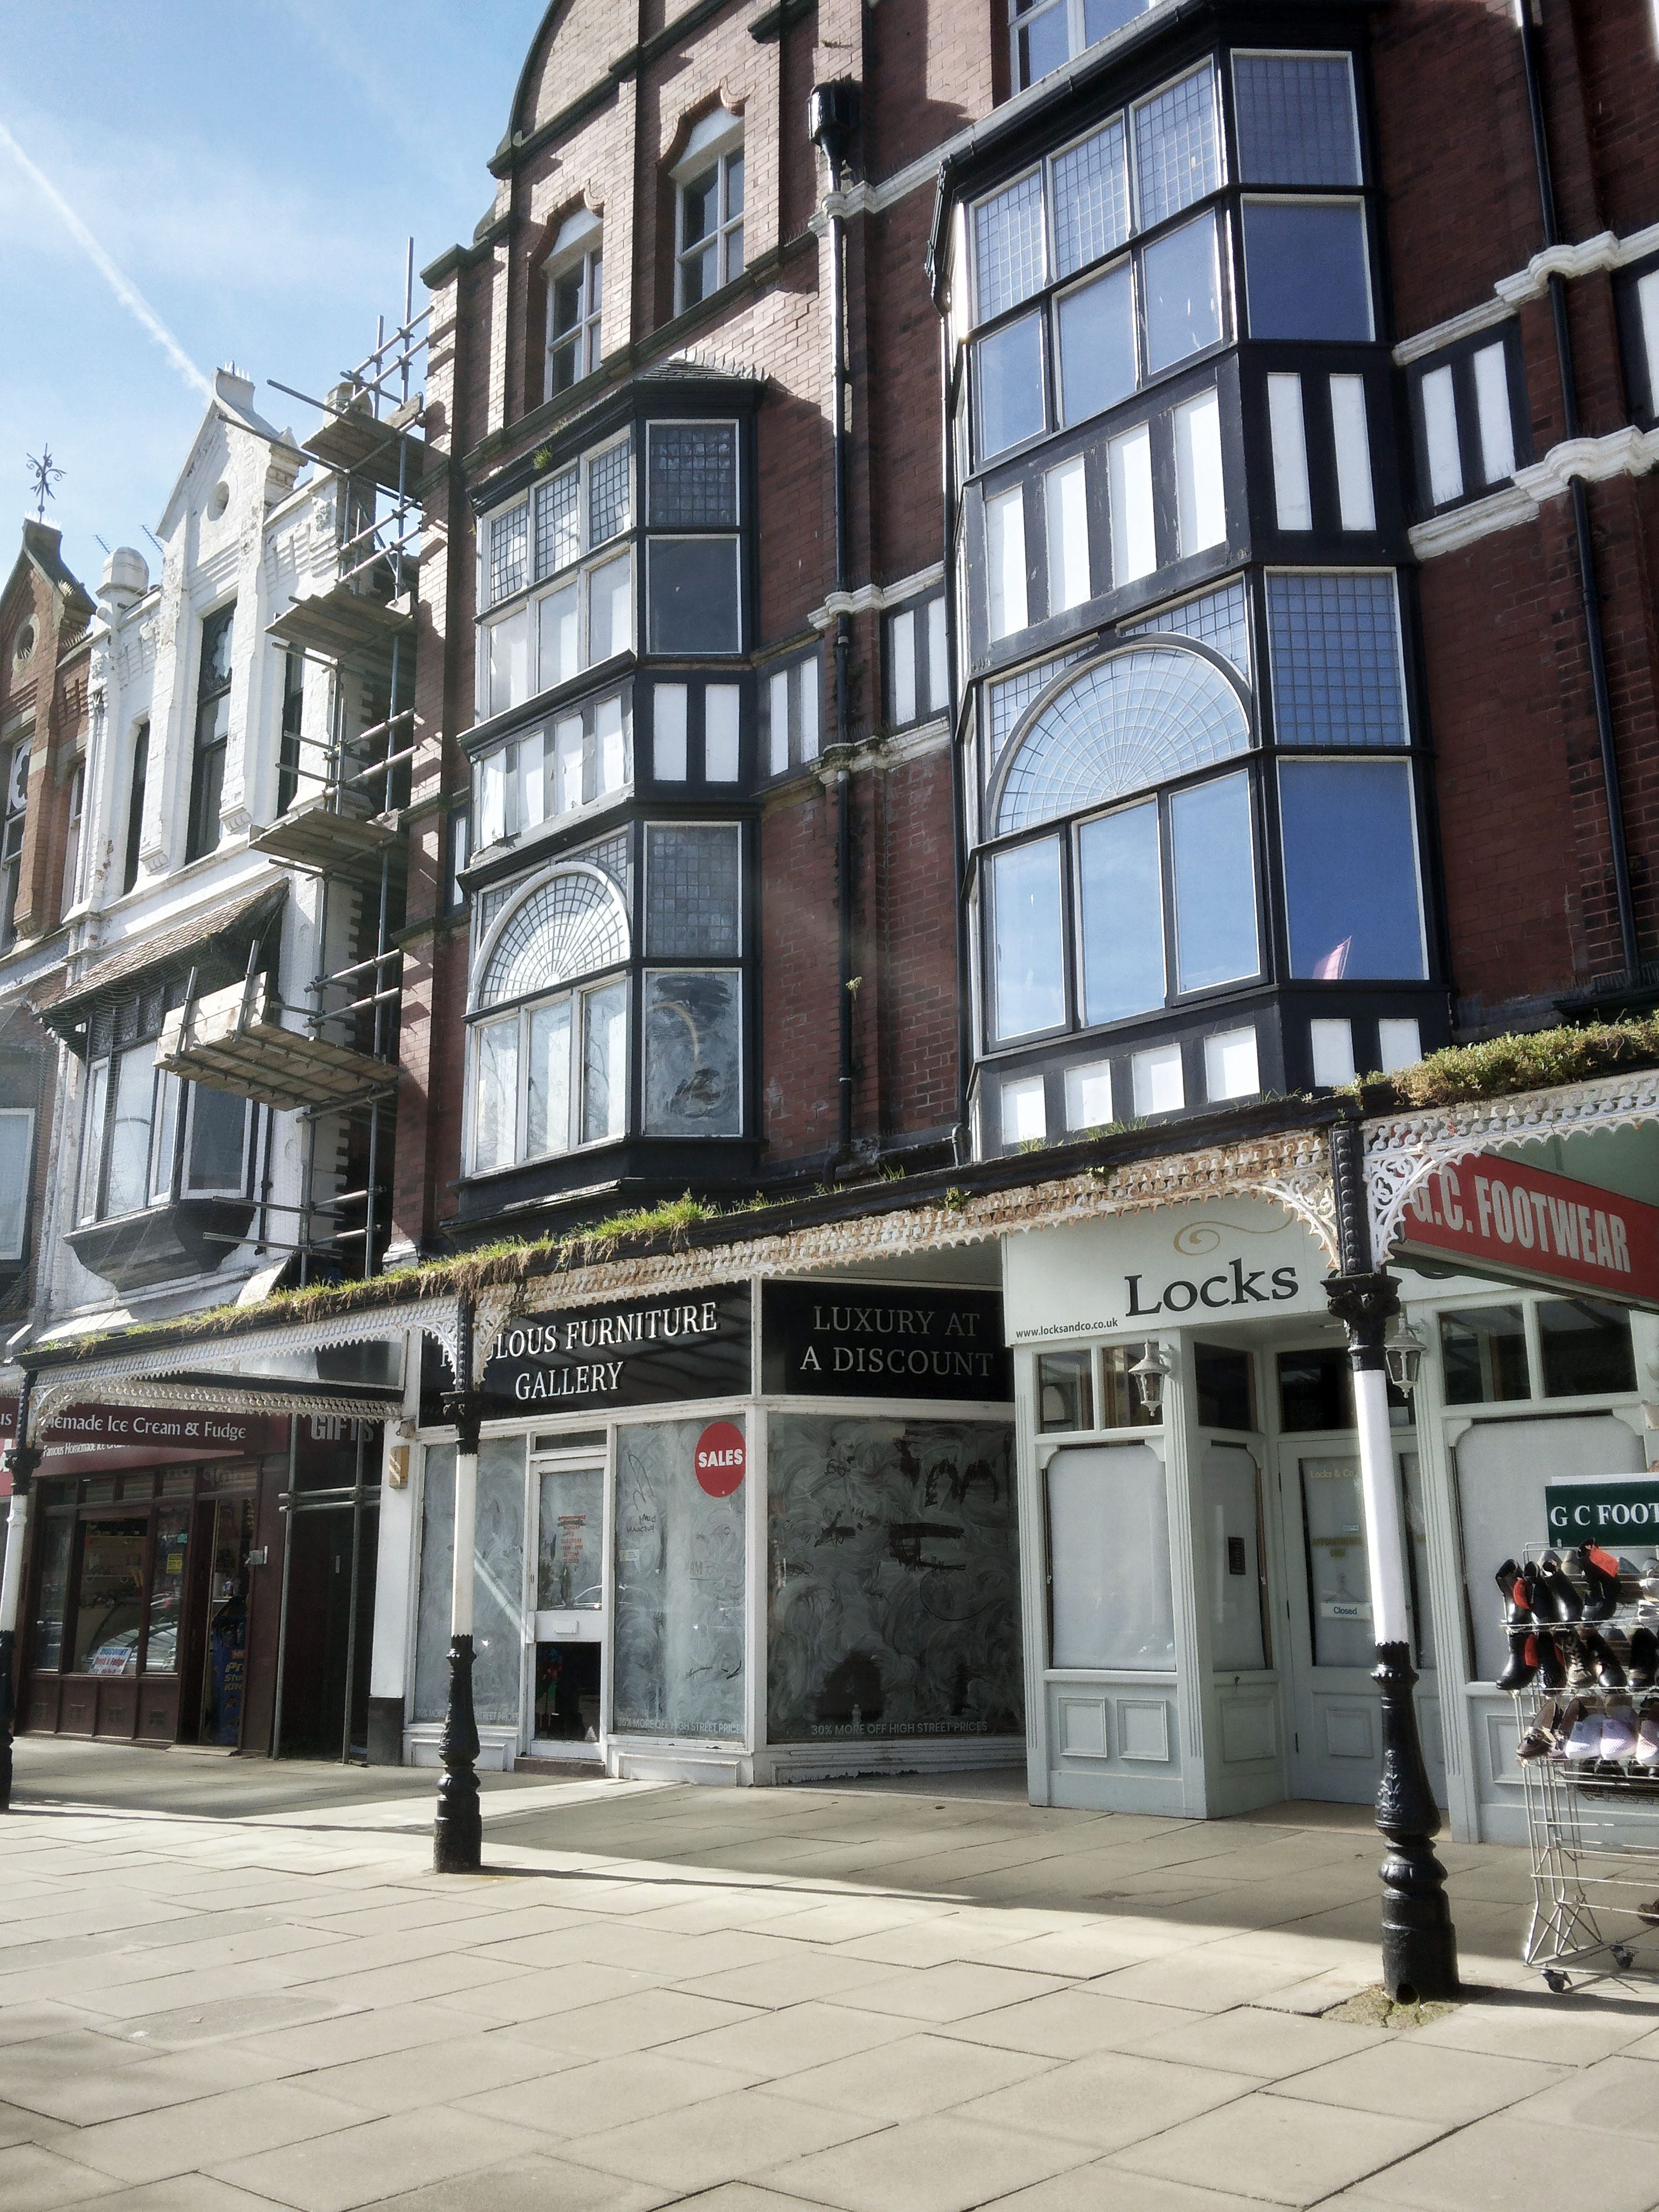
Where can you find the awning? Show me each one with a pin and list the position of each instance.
(213, 942)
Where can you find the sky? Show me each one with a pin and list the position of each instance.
(184, 185)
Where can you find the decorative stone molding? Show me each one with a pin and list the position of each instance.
(1629, 451)
(1403, 1151)
(870, 599)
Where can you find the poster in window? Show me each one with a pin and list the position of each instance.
(893, 1580)
(679, 1600)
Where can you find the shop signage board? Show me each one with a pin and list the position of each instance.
(1174, 1266)
(874, 1340)
(83, 1437)
(1499, 1216)
(641, 1351)
(1617, 1510)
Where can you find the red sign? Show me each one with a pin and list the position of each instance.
(1496, 1216)
(103, 1437)
(721, 1458)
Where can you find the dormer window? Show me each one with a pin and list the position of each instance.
(708, 208)
(574, 273)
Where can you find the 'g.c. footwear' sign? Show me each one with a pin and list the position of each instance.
(1617, 1510)
(1499, 1216)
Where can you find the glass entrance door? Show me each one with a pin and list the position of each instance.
(566, 1565)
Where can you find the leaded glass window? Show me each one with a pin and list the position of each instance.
(1296, 119)
(608, 502)
(692, 890)
(558, 522)
(509, 570)
(694, 475)
(569, 926)
(1334, 640)
(1091, 183)
(1177, 149)
(1008, 258)
(1220, 619)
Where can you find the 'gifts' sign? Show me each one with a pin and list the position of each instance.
(1497, 1217)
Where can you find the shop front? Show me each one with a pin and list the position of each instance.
(1197, 1597)
(755, 1528)
(1524, 1236)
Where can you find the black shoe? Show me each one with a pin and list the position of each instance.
(1556, 1598)
(1599, 1655)
(1552, 1667)
(1523, 1661)
(1601, 1572)
(1644, 1658)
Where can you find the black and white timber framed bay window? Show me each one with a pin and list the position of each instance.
(1169, 841)
(1469, 418)
(610, 999)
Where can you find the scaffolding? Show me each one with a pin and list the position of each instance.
(332, 1060)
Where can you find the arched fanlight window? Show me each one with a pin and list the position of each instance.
(1141, 717)
(569, 925)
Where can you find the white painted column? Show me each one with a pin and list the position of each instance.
(1390, 1621)
(466, 1517)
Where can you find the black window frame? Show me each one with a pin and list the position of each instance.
(1459, 357)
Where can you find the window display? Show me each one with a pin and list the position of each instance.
(681, 1559)
(893, 1580)
(111, 1601)
(498, 1570)
(1108, 1560)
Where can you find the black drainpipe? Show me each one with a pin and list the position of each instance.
(832, 116)
(1529, 13)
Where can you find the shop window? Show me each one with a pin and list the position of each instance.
(1025, 1111)
(137, 777)
(1335, 655)
(574, 275)
(1351, 875)
(892, 1596)
(16, 1158)
(1045, 34)
(1464, 412)
(110, 1598)
(918, 655)
(212, 733)
(693, 1053)
(1238, 1595)
(1585, 1346)
(791, 705)
(1066, 1398)
(1157, 1080)
(680, 1578)
(1088, 1096)
(47, 1640)
(167, 1590)
(1110, 1598)
(1306, 270)
(1295, 118)
(1316, 1391)
(498, 1578)
(708, 209)
(1225, 1381)
(1483, 1355)
(1230, 1065)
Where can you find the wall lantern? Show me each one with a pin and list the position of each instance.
(1151, 1370)
(1403, 1349)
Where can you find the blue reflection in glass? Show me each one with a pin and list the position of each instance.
(1044, 44)
(1097, 344)
(1011, 386)
(1102, 17)
(1030, 986)
(1183, 294)
(1351, 870)
(1120, 890)
(1304, 264)
(1214, 883)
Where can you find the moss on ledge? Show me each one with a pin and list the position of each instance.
(1539, 1060)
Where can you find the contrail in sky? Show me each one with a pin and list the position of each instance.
(123, 287)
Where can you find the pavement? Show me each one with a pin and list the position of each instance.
(225, 1983)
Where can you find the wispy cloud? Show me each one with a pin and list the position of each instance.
(122, 285)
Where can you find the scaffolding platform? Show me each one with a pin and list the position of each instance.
(341, 621)
(359, 443)
(233, 1040)
(331, 841)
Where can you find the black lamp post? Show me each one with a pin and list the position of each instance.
(457, 1827)
(1420, 1944)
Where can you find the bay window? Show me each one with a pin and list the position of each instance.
(574, 760)
(693, 582)
(147, 1139)
(562, 534)
(16, 1159)
(1351, 869)
(1307, 270)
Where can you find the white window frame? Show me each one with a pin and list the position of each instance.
(715, 142)
(579, 246)
(1299, 54)
(13, 1248)
(491, 767)
(1076, 40)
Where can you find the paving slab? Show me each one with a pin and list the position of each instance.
(923, 2166)
(1268, 2147)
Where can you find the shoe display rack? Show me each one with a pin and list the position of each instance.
(1583, 1627)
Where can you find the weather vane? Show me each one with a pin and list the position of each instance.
(44, 474)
